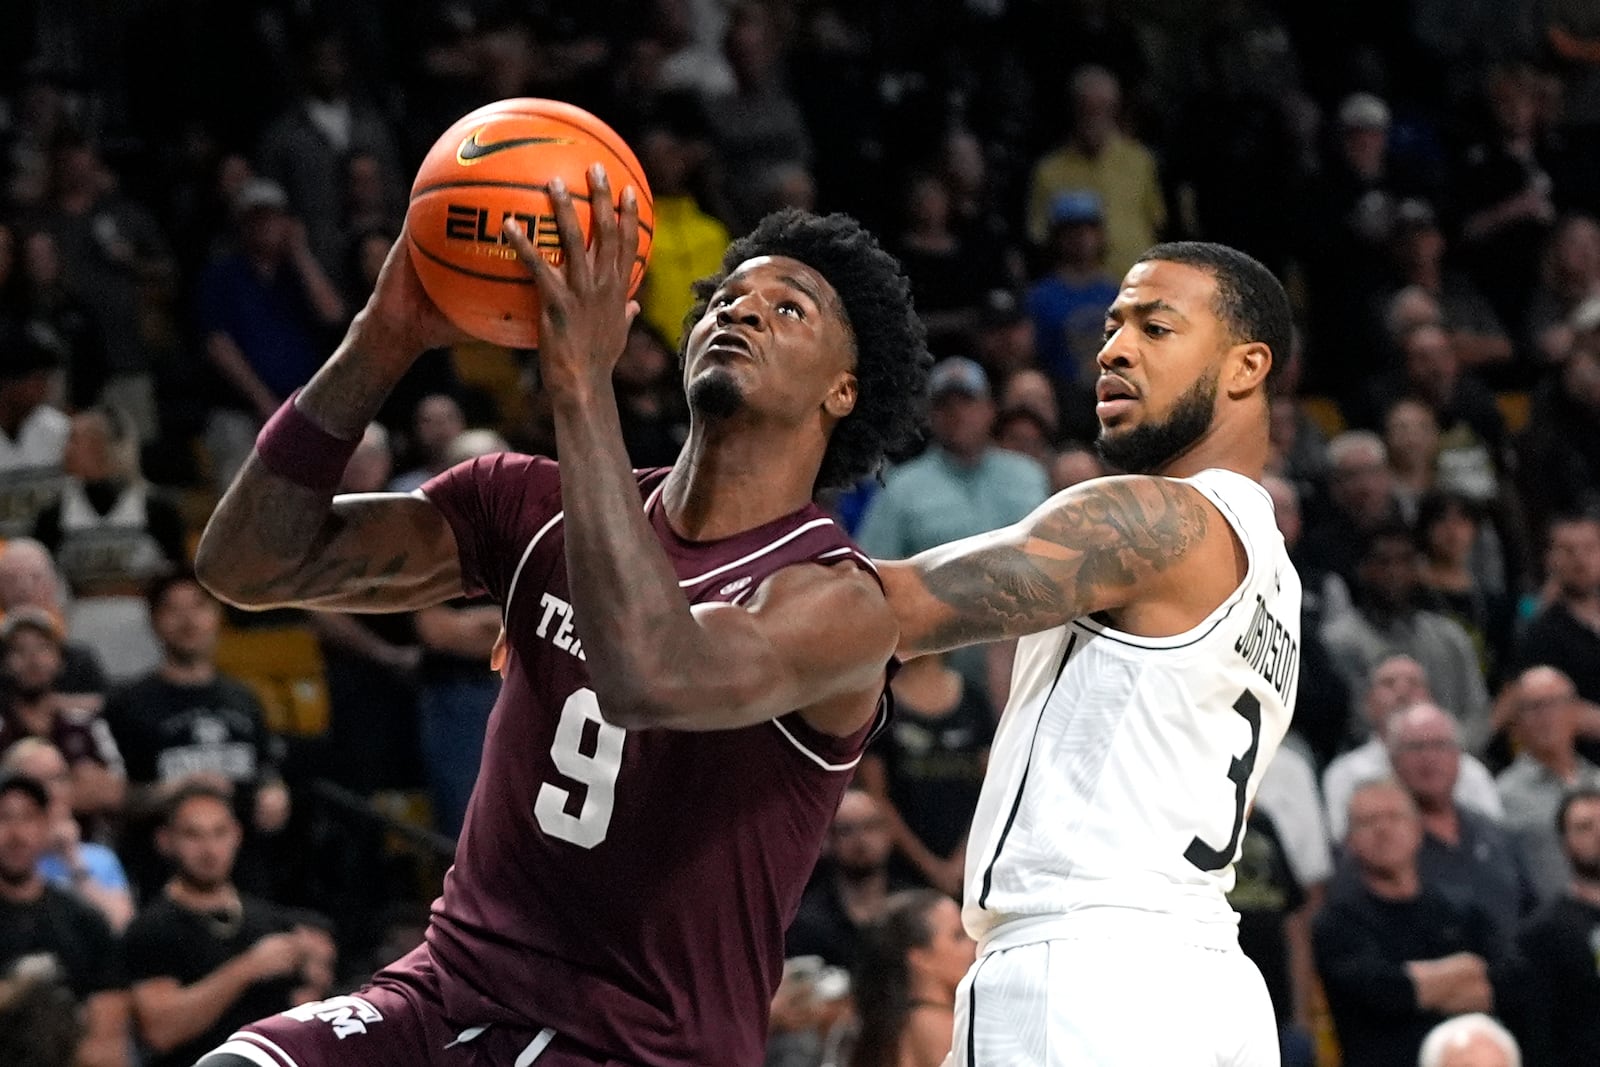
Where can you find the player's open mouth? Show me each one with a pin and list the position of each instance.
(729, 343)
(1115, 396)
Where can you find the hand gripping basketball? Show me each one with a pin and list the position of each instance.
(584, 305)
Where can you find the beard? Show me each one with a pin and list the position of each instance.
(715, 395)
(1147, 448)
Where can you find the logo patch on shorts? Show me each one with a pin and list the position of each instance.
(347, 1015)
(734, 586)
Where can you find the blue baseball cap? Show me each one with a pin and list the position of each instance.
(1076, 205)
(957, 374)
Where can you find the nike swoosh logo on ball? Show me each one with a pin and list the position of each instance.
(472, 150)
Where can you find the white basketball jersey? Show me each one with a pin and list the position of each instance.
(1123, 766)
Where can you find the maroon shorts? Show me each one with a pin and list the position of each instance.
(398, 1020)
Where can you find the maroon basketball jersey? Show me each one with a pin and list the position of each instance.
(628, 889)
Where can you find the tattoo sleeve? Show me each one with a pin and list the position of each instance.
(274, 543)
(1081, 553)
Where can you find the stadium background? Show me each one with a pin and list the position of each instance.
(1424, 176)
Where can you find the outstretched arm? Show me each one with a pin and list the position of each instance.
(812, 637)
(276, 542)
(1094, 547)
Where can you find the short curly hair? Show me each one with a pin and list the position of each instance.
(891, 346)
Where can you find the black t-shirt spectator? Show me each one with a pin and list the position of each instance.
(167, 940)
(80, 671)
(1362, 944)
(168, 731)
(933, 766)
(60, 925)
(823, 928)
(1265, 893)
(1561, 944)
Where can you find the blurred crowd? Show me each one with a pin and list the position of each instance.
(198, 808)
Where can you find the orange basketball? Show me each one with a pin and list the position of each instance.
(493, 163)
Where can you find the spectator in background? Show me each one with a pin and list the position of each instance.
(1069, 303)
(1299, 447)
(1387, 618)
(29, 579)
(1098, 156)
(40, 1023)
(977, 213)
(757, 125)
(33, 433)
(457, 682)
(1507, 197)
(30, 643)
(1562, 439)
(1463, 852)
(1004, 344)
(204, 958)
(851, 889)
(1411, 436)
(1073, 464)
(1449, 527)
(1362, 496)
(1558, 944)
(1569, 276)
(37, 918)
(913, 957)
(688, 242)
(1472, 1040)
(53, 304)
(1417, 250)
(1398, 682)
(112, 249)
(1566, 633)
(650, 400)
(963, 484)
(310, 149)
(1397, 955)
(86, 868)
(926, 773)
(1545, 711)
(262, 311)
(374, 202)
(1024, 431)
(187, 720)
(436, 423)
(370, 662)
(944, 283)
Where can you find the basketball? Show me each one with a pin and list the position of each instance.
(495, 163)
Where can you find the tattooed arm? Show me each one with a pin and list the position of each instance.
(1098, 546)
(274, 543)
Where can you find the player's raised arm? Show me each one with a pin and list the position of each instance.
(1094, 547)
(280, 538)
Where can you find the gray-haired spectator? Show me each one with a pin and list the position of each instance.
(1546, 710)
(1397, 955)
(1471, 1040)
(1558, 945)
(1396, 683)
(29, 579)
(1463, 853)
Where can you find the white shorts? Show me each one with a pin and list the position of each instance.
(1102, 1002)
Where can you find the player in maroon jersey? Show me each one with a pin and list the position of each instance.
(695, 657)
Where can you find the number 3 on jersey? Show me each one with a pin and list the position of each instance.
(1201, 854)
(596, 772)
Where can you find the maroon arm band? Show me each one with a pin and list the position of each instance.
(297, 450)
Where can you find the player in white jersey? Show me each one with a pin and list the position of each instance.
(1159, 617)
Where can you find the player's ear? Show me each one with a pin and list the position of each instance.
(841, 398)
(1247, 368)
